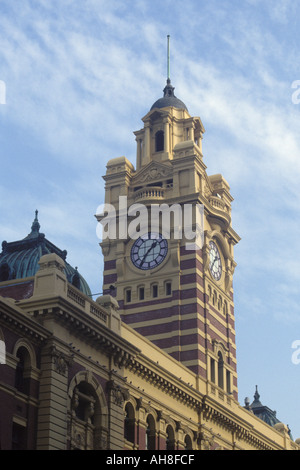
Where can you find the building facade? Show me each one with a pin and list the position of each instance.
(151, 363)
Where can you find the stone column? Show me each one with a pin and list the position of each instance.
(139, 152)
(146, 156)
(166, 136)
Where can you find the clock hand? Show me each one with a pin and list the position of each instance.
(214, 262)
(148, 251)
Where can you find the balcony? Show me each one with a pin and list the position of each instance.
(149, 193)
(217, 203)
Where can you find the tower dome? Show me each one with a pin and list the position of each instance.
(20, 259)
(169, 99)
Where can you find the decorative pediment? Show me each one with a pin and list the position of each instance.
(155, 114)
(153, 171)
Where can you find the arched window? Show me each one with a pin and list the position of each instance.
(170, 442)
(85, 421)
(84, 403)
(150, 433)
(129, 423)
(21, 380)
(220, 370)
(87, 414)
(188, 443)
(159, 141)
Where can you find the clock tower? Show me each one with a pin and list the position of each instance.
(177, 294)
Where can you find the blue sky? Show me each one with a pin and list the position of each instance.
(80, 75)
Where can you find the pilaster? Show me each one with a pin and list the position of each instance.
(52, 415)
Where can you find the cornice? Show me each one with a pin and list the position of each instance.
(91, 330)
(14, 318)
(209, 409)
(165, 381)
(242, 430)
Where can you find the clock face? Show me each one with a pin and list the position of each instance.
(149, 251)
(215, 264)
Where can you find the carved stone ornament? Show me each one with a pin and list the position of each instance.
(206, 439)
(153, 172)
(61, 361)
(118, 394)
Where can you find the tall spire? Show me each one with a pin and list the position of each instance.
(168, 58)
(169, 98)
(169, 89)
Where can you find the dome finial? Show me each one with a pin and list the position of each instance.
(256, 395)
(35, 225)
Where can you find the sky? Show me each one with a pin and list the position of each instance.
(76, 77)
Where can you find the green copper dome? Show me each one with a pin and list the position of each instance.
(20, 259)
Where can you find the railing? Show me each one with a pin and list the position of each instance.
(72, 294)
(150, 193)
(88, 305)
(98, 313)
(217, 202)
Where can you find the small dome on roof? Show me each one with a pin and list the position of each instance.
(169, 99)
(20, 259)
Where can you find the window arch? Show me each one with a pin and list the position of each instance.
(87, 413)
(150, 433)
(159, 141)
(129, 423)
(23, 366)
(188, 445)
(170, 441)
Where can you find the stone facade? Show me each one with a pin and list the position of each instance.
(76, 377)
